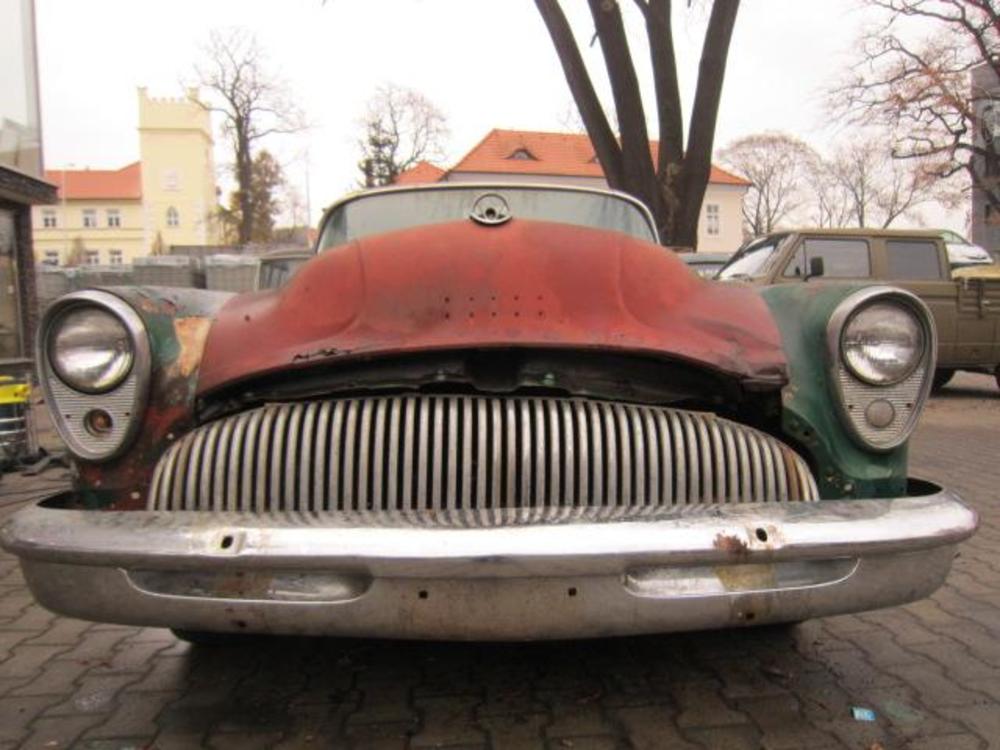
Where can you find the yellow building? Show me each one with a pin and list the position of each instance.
(166, 198)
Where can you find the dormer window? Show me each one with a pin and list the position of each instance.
(522, 154)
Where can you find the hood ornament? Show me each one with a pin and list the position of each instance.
(490, 209)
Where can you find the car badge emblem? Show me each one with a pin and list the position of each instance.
(490, 209)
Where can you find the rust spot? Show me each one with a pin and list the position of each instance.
(191, 334)
(318, 353)
(746, 577)
(730, 543)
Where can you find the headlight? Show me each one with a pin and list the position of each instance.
(90, 349)
(882, 343)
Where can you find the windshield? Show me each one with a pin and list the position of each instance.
(753, 260)
(960, 256)
(386, 211)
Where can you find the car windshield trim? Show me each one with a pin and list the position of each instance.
(745, 265)
(644, 218)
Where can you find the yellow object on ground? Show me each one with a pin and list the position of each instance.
(13, 392)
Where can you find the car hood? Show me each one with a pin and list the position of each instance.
(463, 285)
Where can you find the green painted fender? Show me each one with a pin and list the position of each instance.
(810, 419)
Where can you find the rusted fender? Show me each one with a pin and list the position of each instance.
(177, 322)
(463, 285)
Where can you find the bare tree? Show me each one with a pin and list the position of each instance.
(877, 188)
(925, 91)
(674, 186)
(253, 103)
(779, 166)
(401, 127)
(830, 204)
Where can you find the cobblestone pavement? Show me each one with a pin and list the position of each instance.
(930, 671)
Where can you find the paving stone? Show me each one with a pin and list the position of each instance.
(603, 742)
(133, 716)
(745, 737)
(514, 731)
(27, 661)
(934, 688)
(55, 678)
(165, 673)
(64, 631)
(93, 694)
(983, 719)
(783, 724)
(17, 712)
(447, 721)
(651, 727)
(49, 733)
(950, 741)
(702, 706)
(243, 740)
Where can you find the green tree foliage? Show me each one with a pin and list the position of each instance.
(267, 180)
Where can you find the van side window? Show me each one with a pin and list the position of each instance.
(846, 258)
(913, 259)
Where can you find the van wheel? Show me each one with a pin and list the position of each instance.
(943, 377)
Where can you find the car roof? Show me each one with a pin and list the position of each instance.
(934, 234)
(704, 257)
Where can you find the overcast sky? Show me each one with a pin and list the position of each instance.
(485, 63)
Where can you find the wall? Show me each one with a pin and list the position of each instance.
(175, 147)
(129, 237)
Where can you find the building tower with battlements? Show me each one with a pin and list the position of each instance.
(166, 199)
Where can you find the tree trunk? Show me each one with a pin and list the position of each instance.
(244, 178)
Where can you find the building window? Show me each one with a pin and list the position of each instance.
(49, 219)
(171, 180)
(114, 217)
(89, 218)
(92, 257)
(712, 219)
(173, 218)
(115, 257)
(51, 258)
(522, 154)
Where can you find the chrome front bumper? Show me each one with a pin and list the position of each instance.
(694, 567)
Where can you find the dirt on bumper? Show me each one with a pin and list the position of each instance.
(582, 575)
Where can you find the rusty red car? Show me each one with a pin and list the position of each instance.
(486, 412)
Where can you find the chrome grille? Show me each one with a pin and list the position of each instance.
(444, 453)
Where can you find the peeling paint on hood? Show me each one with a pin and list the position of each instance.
(463, 285)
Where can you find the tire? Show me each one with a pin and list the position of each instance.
(943, 377)
(209, 638)
(996, 374)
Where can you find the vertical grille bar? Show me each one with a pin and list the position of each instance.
(415, 453)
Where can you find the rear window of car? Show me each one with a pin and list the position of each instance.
(843, 258)
(913, 259)
(390, 210)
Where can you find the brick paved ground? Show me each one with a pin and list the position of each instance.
(930, 671)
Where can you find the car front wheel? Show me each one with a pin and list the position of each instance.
(943, 377)
(209, 638)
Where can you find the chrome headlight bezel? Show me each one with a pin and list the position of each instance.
(903, 397)
(884, 379)
(122, 402)
(121, 360)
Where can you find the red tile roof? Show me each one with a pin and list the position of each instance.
(563, 154)
(98, 184)
(419, 173)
